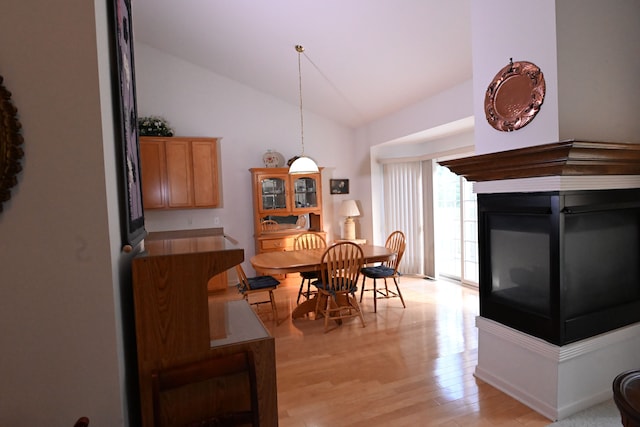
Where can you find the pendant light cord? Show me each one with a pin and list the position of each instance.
(300, 49)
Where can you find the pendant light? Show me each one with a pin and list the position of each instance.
(302, 164)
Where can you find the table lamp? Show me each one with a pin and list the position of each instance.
(349, 209)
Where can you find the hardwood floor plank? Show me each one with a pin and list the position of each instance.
(407, 367)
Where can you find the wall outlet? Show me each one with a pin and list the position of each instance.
(216, 221)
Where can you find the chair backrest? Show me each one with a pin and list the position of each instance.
(242, 279)
(341, 265)
(397, 242)
(309, 240)
(269, 225)
(204, 370)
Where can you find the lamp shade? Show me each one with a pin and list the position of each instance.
(303, 164)
(349, 208)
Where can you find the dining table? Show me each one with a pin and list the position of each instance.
(298, 261)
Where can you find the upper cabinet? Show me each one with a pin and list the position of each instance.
(179, 172)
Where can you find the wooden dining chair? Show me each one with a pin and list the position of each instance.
(308, 240)
(338, 283)
(164, 381)
(269, 225)
(396, 242)
(260, 284)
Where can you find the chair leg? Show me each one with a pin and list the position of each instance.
(274, 308)
(360, 312)
(353, 304)
(399, 293)
(308, 288)
(386, 288)
(362, 287)
(300, 292)
(375, 297)
(326, 314)
(318, 298)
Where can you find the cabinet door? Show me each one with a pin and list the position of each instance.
(205, 173)
(153, 171)
(179, 174)
(272, 193)
(305, 192)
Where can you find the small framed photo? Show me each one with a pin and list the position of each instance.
(339, 186)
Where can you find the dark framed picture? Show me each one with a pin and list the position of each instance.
(339, 186)
(126, 118)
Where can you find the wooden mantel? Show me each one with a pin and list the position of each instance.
(565, 158)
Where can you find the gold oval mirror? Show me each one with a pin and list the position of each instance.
(10, 145)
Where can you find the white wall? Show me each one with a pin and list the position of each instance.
(198, 102)
(587, 51)
(598, 69)
(61, 351)
(524, 31)
(427, 125)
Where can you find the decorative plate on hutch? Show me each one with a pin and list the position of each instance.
(273, 159)
(514, 96)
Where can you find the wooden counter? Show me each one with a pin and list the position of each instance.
(176, 324)
(187, 241)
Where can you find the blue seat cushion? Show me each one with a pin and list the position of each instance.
(377, 272)
(259, 282)
(353, 287)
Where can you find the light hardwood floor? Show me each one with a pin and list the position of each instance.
(407, 367)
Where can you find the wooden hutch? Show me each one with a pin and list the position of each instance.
(294, 201)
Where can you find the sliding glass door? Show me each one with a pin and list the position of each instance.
(456, 227)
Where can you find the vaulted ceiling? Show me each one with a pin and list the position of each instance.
(364, 59)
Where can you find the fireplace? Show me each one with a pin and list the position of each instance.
(560, 265)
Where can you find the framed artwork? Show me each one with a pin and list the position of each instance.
(126, 120)
(339, 186)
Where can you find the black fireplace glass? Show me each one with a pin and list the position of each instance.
(520, 265)
(601, 260)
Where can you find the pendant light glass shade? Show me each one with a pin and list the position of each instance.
(302, 164)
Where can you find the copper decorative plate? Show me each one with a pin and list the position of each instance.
(514, 96)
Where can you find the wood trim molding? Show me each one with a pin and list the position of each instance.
(565, 158)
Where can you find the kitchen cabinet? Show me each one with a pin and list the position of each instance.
(294, 201)
(179, 172)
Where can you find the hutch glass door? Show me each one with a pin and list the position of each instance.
(305, 193)
(274, 195)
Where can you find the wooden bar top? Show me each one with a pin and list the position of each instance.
(187, 242)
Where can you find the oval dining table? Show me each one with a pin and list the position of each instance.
(284, 262)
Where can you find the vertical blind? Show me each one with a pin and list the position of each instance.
(403, 210)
